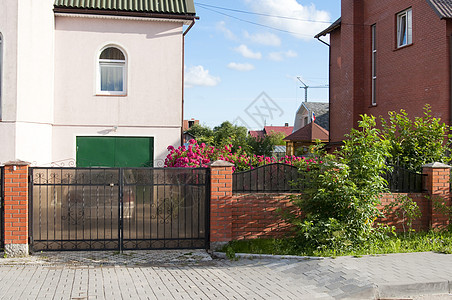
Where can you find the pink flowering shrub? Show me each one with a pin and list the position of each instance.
(200, 155)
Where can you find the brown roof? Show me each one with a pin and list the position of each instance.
(332, 27)
(442, 7)
(309, 133)
(181, 9)
(284, 129)
(257, 133)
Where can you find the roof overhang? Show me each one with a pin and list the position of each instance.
(331, 28)
(442, 8)
(186, 18)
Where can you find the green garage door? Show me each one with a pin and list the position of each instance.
(117, 152)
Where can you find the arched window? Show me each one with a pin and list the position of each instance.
(112, 72)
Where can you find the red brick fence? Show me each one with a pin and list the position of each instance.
(232, 216)
(247, 216)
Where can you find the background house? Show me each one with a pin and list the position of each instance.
(307, 110)
(386, 56)
(278, 150)
(286, 130)
(311, 124)
(298, 142)
(102, 84)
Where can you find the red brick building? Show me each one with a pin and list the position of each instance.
(387, 55)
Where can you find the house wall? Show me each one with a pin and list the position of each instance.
(299, 122)
(154, 81)
(407, 78)
(27, 93)
(8, 30)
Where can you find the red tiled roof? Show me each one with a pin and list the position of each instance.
(309, 133)
(257, 133)
(284, 129)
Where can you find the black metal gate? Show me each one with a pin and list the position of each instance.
(119, 208)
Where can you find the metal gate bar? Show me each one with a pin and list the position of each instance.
(74, 208)
(168, 208)
(112, 208)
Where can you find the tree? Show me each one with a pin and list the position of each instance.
(264, 145)
(229, 134)
(414, 143)
(202, 134)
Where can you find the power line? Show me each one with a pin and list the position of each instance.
(205, 6)
(260, 14)
(255, 23)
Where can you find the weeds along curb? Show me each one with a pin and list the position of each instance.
(265, 256)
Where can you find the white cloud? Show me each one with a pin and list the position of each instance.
(291, 9)
(291, 54)
(266, 38)
(198, 76)
(221, 26)
(280, 56)
(248, 53)
(240, 67)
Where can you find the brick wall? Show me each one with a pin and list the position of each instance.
(257, 215)
(221, 202)
(16, 209)
(423, 203)
(407, 77)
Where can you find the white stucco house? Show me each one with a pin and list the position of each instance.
(94, 81)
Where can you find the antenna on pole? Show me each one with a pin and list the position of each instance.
(306, 87)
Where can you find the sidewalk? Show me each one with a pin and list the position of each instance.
(192, 274)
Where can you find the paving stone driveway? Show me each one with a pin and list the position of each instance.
(194, 275)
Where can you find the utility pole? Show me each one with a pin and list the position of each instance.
(306, 87)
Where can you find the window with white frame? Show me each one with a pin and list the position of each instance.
(374, 64)
(112, 69)
(405, 28)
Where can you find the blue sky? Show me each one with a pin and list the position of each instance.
(246, 73)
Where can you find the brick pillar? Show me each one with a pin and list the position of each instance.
(220, 203)
(16, 208)
(438, 187)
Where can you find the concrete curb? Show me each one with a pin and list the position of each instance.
(266, 256)
(413, 289)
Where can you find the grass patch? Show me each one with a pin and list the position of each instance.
(416, 242)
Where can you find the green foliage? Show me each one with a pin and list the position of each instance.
(440, 206)
(404, 207)
(224, 135)
(264, 145)
(202, 134)
(388, 243)
(230, 253)
(414, 143)
(341, 192)
(228, 134)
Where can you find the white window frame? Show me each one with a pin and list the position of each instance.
(111, 62)
(405, 28)
(374, 64)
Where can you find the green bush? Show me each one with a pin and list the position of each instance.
(339, 203)
(414, 143)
